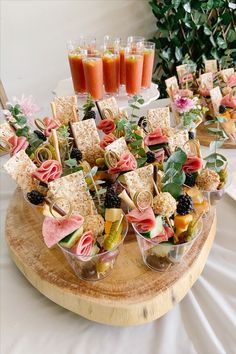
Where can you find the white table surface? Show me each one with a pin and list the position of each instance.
(203, 323)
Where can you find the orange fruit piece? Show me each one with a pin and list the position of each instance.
(182, 221)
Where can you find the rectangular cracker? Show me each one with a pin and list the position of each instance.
(216, 97)
(226, 73)
(65, 109)
(118, 146)
(140, 179)
(206, 80)
(178, 140)
(158, 117)
(20, 168)
(6, 131)
(87, 139)
(211, 66)
(108, 108)
(73, 188)
(172, 82)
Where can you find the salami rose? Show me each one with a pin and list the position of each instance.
(229, 101)
(144, 221)
(84, 246)
(204, 92)
(107, 126)
(48, 171)
(155, 137)
(108, 139)
(126, 163)
(231, 81)
(54, 230)
(193, 164)
(50, 124)
(17, 143)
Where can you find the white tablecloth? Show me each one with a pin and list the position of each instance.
(203, 323)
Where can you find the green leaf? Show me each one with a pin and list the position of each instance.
(187, 7)
(173, 188)
(178, 54)
(23, 132)
(93, 171)
(221, 43)
(136, 143)
(216, 144)
(70, 163)
(176, 3)
(179, 178)
(141, 152)
(231, 36)
(212, 40)
(207, 30)
(219, 163)
(21, 120)
(179, 157)
(141, 161)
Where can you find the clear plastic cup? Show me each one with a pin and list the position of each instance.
(162, 256)
(99, 266)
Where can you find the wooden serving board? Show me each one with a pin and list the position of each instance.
(206, 138)
(132, 294)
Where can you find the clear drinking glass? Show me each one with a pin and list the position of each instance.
(95, 267)
(111, 43)
(148, 61)
(122, 64)
(88, 43)
(133, 70)
(93, 72)
(111, 71)
(75, 55)
(162, 256)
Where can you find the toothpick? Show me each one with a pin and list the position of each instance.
(155, 187)
(169, 223)
(121, 218)
(98, 108)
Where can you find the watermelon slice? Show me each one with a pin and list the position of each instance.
(54, 230)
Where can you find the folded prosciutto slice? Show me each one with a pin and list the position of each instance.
(50, 124)
(164, 235)
(229, 101)
(54, 230)
(155, 137)
(107, 140)
(192, 164)
(126, 163)
(48, 171)
(106, 125)
(144, 221)
(231, 80)
(84, 246)
(18, 143)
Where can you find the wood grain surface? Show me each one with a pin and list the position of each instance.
(206, 138)
(132, 294)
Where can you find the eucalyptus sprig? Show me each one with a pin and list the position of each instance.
(135, 103)
(94, 184)
(71, 166)
(174, 176)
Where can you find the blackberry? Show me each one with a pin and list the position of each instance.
(76, 154)
(150, 157)
(190, 179)
(40, 135)
(111, 199)
(185, 204)
(222, 109)
(191, 135)
(89, 115)
(35, 197)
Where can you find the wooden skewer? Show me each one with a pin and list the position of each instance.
(169, 223)
(155, 187)
(98, 108)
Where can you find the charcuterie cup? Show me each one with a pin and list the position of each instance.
(163, 256)
(98, 266)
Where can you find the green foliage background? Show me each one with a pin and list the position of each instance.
(197, 28)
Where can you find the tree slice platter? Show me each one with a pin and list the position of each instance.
(206, 138)
(131, 295)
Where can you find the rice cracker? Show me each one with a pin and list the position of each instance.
(65, 109)
(158, 117)
(139, 180)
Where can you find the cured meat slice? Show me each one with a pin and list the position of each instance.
(164, 235)
(231, 80)
(143, 221)
(229, 101)
(54, 230)
(18, 143)
(106, 125)
(84, 246)
(107, 140)
(126, 163)
(193, 164)
(155, 137)
(50, 124)
(48, 171)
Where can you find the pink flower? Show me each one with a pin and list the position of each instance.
(28, 107)
(183, 104)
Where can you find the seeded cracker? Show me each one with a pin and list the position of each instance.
(109, 104)
(87, 140)
(211, 65)
(178, 140)
(73, 188)
(172, 83)
(206, 80)
(140, 179)
(158, 117)
(6, 131)
(118, 146)
(20, 168)
(65, 109)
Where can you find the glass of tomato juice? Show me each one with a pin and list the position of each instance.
(111, 71)
(75, 55)
(133, 70)
(148, 61)
(93, 72)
